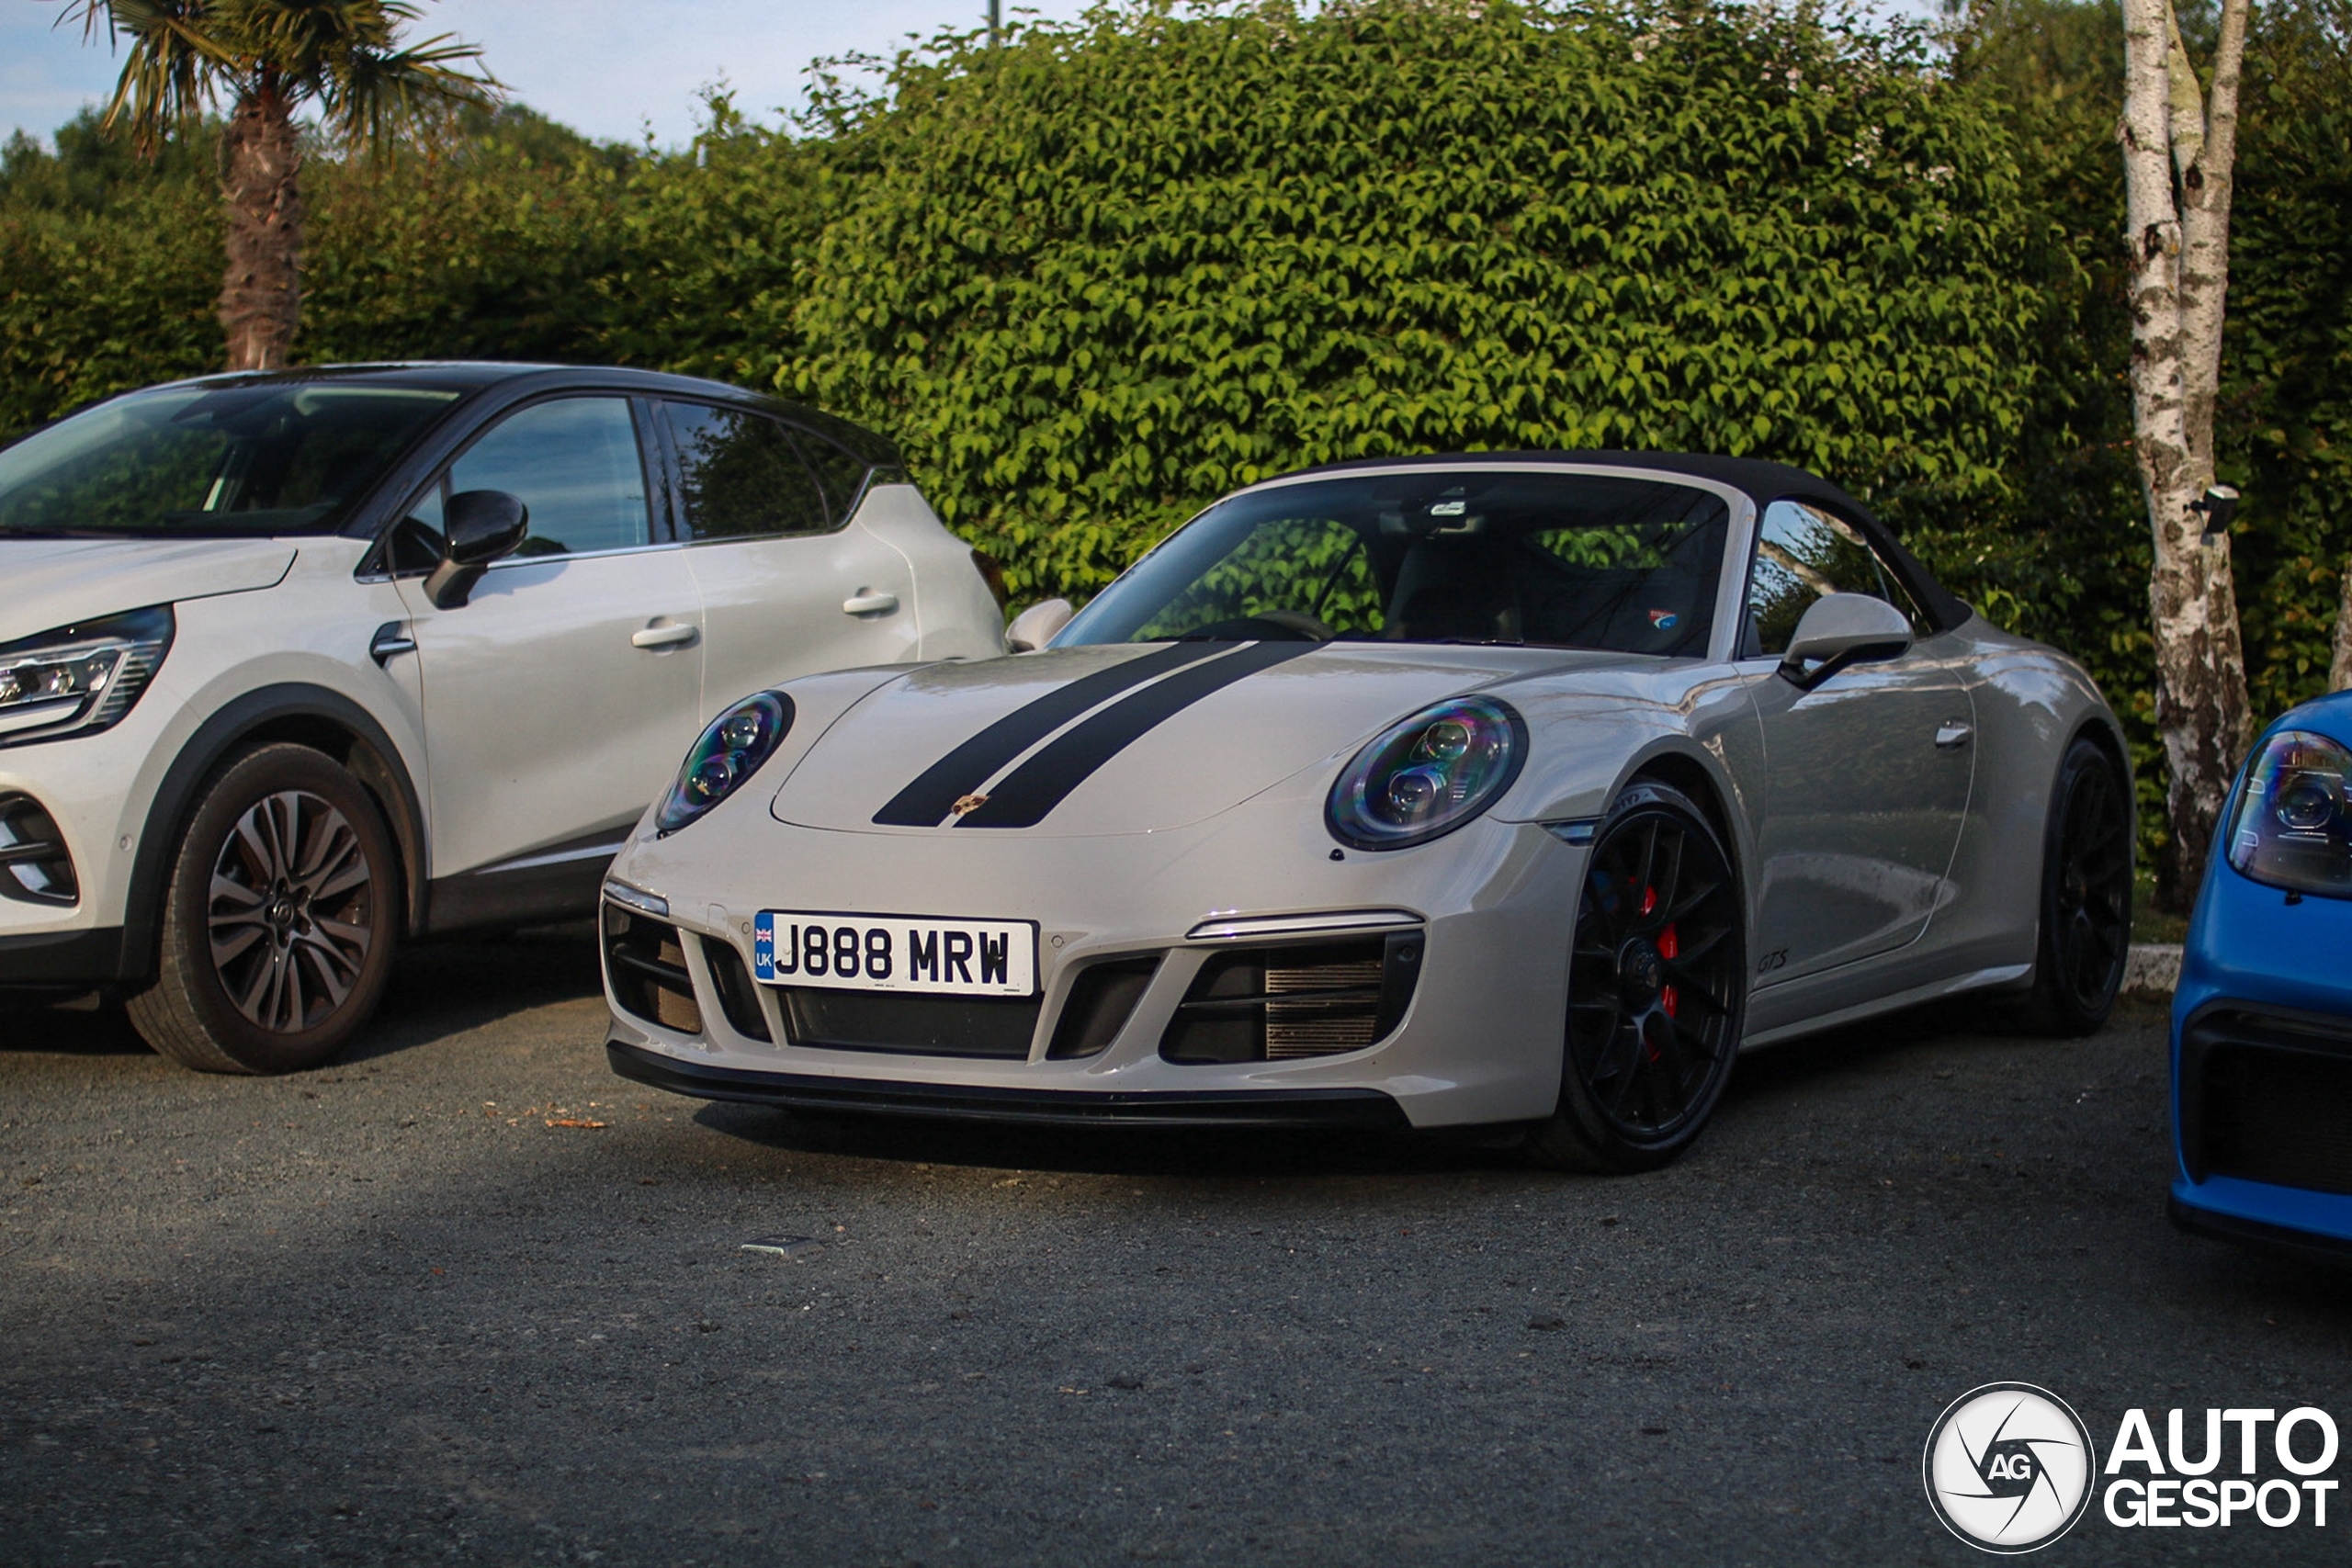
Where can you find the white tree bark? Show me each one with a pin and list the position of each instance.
(2179, 240)
(2339, 668)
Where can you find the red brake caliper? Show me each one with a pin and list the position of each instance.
(1669, 945)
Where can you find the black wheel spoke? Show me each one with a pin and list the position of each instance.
(1655, 972)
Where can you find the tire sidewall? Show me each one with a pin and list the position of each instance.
(236, 787)
(2058, 998)
(1578, 1114)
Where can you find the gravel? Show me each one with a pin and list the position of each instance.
(466, 1297)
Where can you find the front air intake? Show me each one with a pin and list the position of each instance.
(646, 963)
(35, 867)
(1275, 1004)
(2269, 1097)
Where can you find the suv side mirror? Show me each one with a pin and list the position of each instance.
(1035, 627)
(479, 527)
(1840, 630)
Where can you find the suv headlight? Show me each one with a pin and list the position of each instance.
(2292, 828)
(78, 680)
(726, 754)
(1428, 774)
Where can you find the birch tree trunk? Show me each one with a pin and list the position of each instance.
(2179, 240)
(261, 290)
(2339, 668)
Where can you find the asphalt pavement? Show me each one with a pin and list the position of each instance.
(466, 1297)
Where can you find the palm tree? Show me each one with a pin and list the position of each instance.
(269, 59)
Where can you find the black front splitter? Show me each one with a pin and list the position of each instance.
(1365, 1109)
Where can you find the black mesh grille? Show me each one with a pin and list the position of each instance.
(34, 865)
(923, 1026)
(647, 965)
(2272, 1101)
(1273, 1004)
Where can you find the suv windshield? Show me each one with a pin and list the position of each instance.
(1556, 558)
(278, 457)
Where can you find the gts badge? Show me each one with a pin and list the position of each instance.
(1776, 959)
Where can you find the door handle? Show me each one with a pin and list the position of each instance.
(662, 637)
(1951, 735)
(869, 604)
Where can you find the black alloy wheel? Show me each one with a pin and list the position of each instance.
(280, 919)
(2086, 906)
(1658, 989)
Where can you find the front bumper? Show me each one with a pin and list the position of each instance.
(1365, 1109)
(1481, 1041)
(2262, 1071)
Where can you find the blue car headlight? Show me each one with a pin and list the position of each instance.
(1428, 774)
(726, 754)
(2293, 829)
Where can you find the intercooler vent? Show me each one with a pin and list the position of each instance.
(1100, 1001)
(647, 963)
(34, 865)
(1274, 1004)
(2276, 1101)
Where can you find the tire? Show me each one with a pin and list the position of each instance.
(305, 929)
(1657, 990)
(2084, 913)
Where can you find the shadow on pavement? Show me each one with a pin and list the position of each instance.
(437, 989)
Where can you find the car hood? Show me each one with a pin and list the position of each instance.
(57, 582)
(1126, 738)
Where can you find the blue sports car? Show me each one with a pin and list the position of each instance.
(2262, 1024)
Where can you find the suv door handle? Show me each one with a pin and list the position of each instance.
(662, 637)
(869, 604)
(1951, 735)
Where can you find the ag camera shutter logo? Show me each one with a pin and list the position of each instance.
(2008, 1467)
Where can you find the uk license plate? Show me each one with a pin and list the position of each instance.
(896, 952)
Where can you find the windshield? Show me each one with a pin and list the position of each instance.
(1556, 558)
(277, 458)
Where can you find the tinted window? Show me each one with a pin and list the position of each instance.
(1803, 553)
(843, 476)
(1560, 558)
(573, 463)
(272, 458)
(739, 475)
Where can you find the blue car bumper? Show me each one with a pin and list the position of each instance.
(2262, 1058)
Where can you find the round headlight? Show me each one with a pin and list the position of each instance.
(727, 753)
(1428, 775)
(2292, 828)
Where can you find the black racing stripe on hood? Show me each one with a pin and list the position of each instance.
(933, 794)
(1046, 780)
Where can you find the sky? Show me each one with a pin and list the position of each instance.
(610, 68)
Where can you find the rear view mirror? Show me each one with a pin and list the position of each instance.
(1035, 627)
(478, 526)
(1842, 629)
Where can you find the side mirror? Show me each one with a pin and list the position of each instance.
(478, 526)
(1842, 629)
(1035, 627)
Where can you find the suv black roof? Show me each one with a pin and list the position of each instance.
(471, 375)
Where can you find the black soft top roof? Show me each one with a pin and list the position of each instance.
(1762, 482)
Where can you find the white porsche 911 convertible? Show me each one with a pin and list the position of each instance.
(1506, 789)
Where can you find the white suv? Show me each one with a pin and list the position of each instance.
(293, 666)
